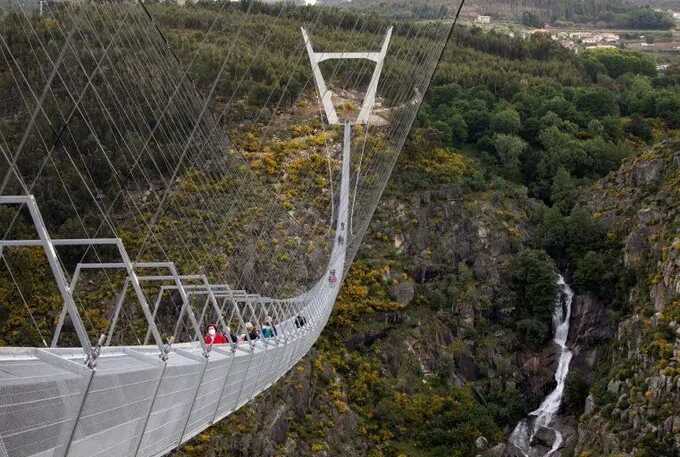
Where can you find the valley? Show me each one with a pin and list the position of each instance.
(517, 293)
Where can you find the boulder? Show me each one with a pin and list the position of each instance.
(481, 443)
(496, 451)
(317, 260)
(544, 437)
(278, 430)
(398, 241)
(648, 216)
(668, 425)
(590, 405)
(364, 340)
(538, 372)
(590, 323)
(512, 451)
(648, 173)
(636, 248)
(403, 292)
(614, 386)
(466, 366)
(466, 311)
(659, 296)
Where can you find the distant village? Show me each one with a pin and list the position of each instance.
(581, 40)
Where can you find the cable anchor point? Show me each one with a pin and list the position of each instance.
(91, 360)
(167, 347)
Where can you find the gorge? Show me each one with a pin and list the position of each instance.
(446, 340)
(522, 438)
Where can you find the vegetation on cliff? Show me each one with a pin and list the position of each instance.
(438, 336)
(636, 394)
(455, 288)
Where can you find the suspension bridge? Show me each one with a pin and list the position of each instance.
(126, 188)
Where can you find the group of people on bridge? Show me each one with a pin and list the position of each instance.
(251, 333)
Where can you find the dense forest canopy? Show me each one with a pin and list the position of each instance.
(613, 13)
(262, 165)
(507, 122)
(527, 110)
(545, 112)
(553, 122)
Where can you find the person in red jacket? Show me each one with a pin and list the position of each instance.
(213, 336)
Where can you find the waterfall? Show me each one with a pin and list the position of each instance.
(542, 417)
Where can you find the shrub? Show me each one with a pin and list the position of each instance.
(534, 289)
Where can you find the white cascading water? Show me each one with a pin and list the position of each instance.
(522, 435)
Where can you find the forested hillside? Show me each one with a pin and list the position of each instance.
(535, 13)
(439, 344)
(525, 161)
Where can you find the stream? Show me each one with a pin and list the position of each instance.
(542, 418)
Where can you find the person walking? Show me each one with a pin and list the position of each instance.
(213, 336)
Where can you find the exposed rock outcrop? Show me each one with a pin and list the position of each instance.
(633, 411)
(590, 324)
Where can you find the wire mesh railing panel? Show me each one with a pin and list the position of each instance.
(114, 414)
(260, 358)
(238, 375)
(3, 449)
(207, 399)
(172, 405)
(39, 404)
(270, 366)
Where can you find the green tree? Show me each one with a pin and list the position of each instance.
(594, 273)
(618, 63)
(562, 107)
(507, 121)
(640, 128)
(575, 392)
(638, 97)
(593, 67)
(668, 107)
(478, 121)
(648, 18)
(564, 190)
(597, 101)
(509, 149)
(531, 20)
(459, 129)
(534, 288)
(568, 238)
(443, 131)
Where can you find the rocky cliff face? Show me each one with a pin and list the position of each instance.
(422, 333)
(418, 351)
(634, 406)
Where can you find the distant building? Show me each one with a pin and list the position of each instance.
(580, 35)
(483, 20)
(600, 38)
(676, 16)
(601, 46)
(610, 37)
(569, 44)
(662, 67)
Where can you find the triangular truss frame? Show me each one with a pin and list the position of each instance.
(326, 94)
